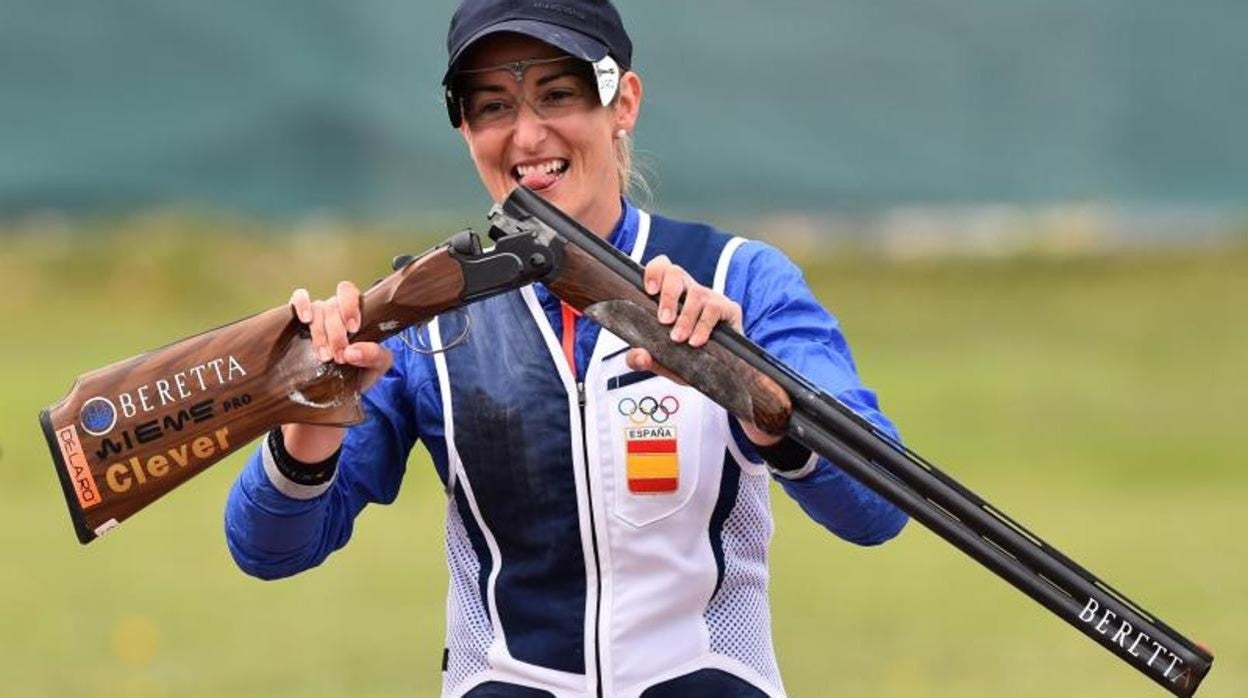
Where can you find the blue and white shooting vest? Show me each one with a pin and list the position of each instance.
(605, 534)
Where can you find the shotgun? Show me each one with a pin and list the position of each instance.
(153, 421)
(129, 433)
(606, 286)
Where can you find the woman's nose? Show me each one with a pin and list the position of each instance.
(530, 127)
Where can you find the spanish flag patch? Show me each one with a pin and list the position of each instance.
(653, 464)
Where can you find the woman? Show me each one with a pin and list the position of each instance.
(607, 528)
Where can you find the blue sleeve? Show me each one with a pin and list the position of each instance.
(275, 528)
(783, 316)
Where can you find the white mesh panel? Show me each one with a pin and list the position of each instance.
(738, 617)
(468, 629)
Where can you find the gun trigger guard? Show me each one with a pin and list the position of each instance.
(415, 331)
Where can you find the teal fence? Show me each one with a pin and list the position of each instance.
(296, 108)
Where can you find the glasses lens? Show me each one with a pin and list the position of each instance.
(486, 108)
(552, 89)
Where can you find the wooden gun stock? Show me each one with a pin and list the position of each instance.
(128, 433)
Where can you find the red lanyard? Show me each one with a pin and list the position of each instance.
(570, 315)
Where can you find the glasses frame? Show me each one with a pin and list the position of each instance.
(605, 73)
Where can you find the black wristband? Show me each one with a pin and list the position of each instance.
(785, 456)
(309, 474)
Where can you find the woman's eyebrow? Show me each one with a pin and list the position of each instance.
(555, 76)
(479, 87)
(496, 87)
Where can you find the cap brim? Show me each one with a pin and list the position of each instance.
(567, 40)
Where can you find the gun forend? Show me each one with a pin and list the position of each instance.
(752, 384)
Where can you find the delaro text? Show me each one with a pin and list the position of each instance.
(76, 465)
(180, 386)
(136, 472)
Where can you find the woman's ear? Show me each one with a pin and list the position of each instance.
(628, 102)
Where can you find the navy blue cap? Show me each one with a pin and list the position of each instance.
(586, 29)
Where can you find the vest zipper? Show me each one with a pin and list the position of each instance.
(568, 316)
(593, 537)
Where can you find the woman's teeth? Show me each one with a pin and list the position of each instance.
(547, 167)
(541, 175)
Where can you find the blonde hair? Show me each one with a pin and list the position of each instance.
(633, 182)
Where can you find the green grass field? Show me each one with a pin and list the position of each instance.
(1098, 400)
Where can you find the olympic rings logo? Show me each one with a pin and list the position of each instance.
(649, 408)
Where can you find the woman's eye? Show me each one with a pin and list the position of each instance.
(488, 107)
(559, 97)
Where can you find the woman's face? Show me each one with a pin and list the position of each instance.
(567, 152)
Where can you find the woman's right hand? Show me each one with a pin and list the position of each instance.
(329, 322)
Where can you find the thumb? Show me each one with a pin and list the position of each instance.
(372, 358)
(368, 355)
(641, 360)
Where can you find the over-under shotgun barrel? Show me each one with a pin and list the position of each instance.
(754, 385)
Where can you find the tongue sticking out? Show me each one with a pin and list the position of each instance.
(539, 180)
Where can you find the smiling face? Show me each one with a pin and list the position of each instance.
(566, 153)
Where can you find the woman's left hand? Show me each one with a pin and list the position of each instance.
(703, 309)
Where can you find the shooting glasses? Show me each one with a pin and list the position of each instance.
(487, 98)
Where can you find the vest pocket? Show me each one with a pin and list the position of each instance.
(654, 438)
(627, 379)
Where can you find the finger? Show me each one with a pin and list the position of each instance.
(735, 317)
(368, 355)
(638, 359)
(759, 437)
(653, 275)
(335, 331)
(373, 358)
(697, 303)
(672, 285)
(302, 303)
(317, 329)
(712, 316)
(348, 297)
(641, 360)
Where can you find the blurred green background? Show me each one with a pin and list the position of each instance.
(1031, 218)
